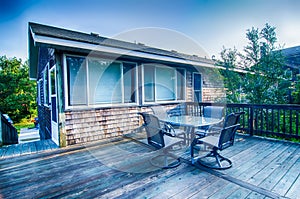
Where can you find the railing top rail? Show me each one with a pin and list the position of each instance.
(269, 106)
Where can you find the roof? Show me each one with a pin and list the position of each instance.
(60, 38)
(292, 56)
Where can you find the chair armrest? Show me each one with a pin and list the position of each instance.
(169, 130)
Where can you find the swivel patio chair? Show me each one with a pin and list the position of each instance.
(161, 113)
(158, 138)
(218, 143)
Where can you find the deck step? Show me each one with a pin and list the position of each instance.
(29, 135)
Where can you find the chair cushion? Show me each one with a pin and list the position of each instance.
(211, 140)
(169, 141)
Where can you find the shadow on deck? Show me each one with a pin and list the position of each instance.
(120, 169)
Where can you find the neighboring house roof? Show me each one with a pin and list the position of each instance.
(292, 56)
(63, 39)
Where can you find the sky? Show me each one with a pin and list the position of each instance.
(201, 27)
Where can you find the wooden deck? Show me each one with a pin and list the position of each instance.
(121, 169)
(26, 148)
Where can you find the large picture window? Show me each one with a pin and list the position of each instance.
(104, 82)
(77, 81)
(162, 83)
(93, 81)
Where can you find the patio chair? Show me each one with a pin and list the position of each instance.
(161, 113)
(212, 112)
(158, 138)
(218, 143)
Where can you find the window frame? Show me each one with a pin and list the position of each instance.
(176, 100)
(99, 105)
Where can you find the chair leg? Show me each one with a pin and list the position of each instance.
(218, 161)
(164, 162)
(193, 147)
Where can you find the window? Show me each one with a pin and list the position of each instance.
(77, 81)
(163, 83)
(149, 83)
(129, 78)
(96, 81)
(104, 82)
(180, 84)
(46, 86)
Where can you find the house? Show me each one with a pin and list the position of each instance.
(292, 60)
(91, 87)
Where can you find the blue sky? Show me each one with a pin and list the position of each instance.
(204, 24)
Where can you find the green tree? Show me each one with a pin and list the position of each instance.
(265, 81)
(17, 92)
(232, 79)
(296, 90)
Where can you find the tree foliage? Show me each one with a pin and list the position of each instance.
(17, 92)
(232, 80)
(265, 81)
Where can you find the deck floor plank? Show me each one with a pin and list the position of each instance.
(121, 169)
(239, 193)
(269, 168)
(260, 165)
(252, 160)
(225, 192)
(26, 148)
(288, 179)
(294, 190)
(205, 191)
(243, 169)
(163, 187)
(281, 170)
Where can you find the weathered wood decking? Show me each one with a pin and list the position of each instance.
(26, 148)
(121, 169)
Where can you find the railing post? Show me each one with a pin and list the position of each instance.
(251, 120)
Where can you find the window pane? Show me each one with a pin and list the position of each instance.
(180, 84)
(165, 84)
(149, 83)
(52, 79)
(77, 81)
(104, 82)
(129, 76)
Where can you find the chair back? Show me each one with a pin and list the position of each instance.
(213, 111)
(179, 110)
(231, 124)
(232, 119)
(159, 111)
(155, 135)
(227, 136)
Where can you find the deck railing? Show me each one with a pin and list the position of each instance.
(8, 132)
(263, 120)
